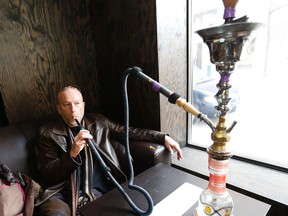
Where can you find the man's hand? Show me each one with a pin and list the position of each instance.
(79, 142)
(172, 145)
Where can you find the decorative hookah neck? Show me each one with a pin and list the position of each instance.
(222, 96)
(218, 150)
(218, 172)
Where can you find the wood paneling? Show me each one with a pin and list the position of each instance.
(125, 36)
(44, 45)
(172, 46)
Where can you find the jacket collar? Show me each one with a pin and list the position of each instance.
(60, 126)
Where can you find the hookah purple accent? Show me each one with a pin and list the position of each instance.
(225, 77)
(156, 86)
(229, 12)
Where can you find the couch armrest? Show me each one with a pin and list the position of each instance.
(148, 154)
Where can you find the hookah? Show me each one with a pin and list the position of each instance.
(225, 43)
(174, 98)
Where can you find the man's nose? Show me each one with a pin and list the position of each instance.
(73, 107)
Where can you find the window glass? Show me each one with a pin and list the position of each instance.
(259, 82)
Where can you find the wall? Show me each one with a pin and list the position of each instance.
(150, 34)
(44, 45)
(172, 48)
(125, 35)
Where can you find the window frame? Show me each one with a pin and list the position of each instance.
(248, 159)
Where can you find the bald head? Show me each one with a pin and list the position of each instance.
(66, 88)
(70, 105)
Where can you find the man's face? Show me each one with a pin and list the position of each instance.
(71, 106)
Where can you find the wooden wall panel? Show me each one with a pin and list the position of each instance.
(125, 35)
(172, 45)
(44, 45)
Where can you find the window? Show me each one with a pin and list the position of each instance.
(259, 82)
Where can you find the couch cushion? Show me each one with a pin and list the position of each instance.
(30, 129)
(13, 149)
(17, 146)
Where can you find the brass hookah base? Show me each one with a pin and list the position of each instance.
(215, 199)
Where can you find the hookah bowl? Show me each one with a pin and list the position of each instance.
(225, 43)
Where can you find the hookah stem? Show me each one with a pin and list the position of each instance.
(107, 171)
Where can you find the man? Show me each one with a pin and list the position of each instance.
(71, 176)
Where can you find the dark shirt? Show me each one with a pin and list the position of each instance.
(98, 179)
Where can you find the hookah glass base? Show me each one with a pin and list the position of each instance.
(209, 204)
(215, 199)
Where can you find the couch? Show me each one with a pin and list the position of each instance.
(17, 149)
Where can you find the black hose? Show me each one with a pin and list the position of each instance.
(107, 170)
(131, 185)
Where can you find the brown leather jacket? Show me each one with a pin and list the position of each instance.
(53, 158)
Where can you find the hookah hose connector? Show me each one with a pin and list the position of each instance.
(188, 107)
(204, 118)
(232, 126)
(173, 97)
(107, 171)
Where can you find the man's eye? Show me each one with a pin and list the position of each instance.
(77, 104)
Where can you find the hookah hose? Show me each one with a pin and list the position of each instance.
(107, 170)
(173, 97)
